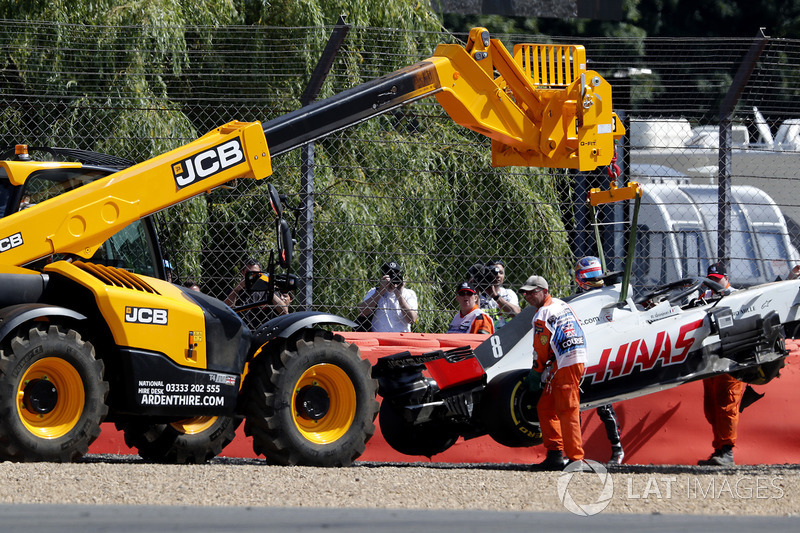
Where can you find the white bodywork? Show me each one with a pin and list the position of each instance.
(624, 338)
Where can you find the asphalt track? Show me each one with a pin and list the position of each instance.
(139, 519)
(59, 518)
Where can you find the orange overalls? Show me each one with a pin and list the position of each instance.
(721, 397)
(559, 404)
(559, 412)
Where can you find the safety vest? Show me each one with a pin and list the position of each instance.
(557, 334)
(463, 324)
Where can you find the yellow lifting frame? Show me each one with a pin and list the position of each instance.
(615, 194)
(543, 110)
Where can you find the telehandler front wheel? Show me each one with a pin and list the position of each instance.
(52, 396)
(190, 441)
(313, 403)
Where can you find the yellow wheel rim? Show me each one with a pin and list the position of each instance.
(50, 398)
(318, 422)
(193, 426)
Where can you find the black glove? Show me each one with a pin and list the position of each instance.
(533, 380)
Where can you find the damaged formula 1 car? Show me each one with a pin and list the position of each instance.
(636, 346)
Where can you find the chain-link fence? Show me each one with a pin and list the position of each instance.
(412, 186)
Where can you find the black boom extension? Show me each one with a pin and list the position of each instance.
(350, 107)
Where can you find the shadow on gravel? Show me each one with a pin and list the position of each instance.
(612, 468)
(510, 467)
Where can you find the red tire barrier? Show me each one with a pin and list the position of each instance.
(651, 426)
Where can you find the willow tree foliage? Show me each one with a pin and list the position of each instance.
(136, 78)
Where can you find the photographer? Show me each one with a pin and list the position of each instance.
(389, 306)
(257, 316)
(500, 303)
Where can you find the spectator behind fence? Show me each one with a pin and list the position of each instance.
(168, 272)
(389, 306)
(470, 318)
(191, 284)
(258, 315)
(500, 303)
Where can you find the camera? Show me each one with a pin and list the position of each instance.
(394, 271)
(285, 283)
(483, 276)
(396, 278)
(259, 281)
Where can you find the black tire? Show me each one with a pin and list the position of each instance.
(191, 441)
(313, 403)
(508, 410)
(63, 396)
(427, 439)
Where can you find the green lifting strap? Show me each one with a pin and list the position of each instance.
(626, 278)
(598, 240)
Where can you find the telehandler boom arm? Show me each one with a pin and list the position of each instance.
(544, 109)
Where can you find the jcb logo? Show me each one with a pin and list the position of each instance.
(12, 241)
(208, 163)
(146, 315)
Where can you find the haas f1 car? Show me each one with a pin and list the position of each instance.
(635, 346)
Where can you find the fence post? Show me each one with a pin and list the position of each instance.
(306, 230)
(725, 147)
(623, 103)
(621, 213)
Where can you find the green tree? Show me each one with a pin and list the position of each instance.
(655, 18)
(137, 78)
(718, 18)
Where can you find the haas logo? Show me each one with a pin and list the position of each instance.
(208, 163)
(146, 315)
(12, 241)
(646, 354)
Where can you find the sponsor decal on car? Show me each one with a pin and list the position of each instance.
(645, 353)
